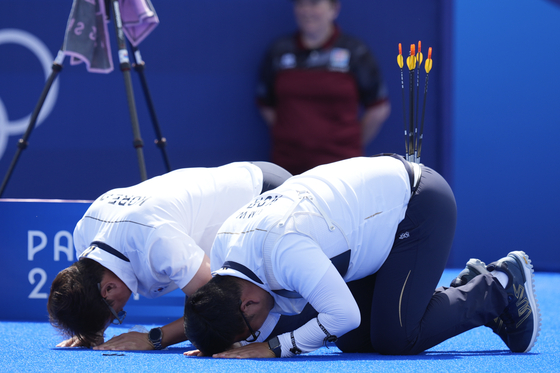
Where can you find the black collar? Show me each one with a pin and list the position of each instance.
(110, 250)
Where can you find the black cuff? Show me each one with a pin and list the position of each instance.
(295, 349)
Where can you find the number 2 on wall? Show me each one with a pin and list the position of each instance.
(35, 294)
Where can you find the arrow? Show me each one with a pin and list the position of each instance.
(411, 63)
(400, 62)
(419, 58)
(428, 67)
(428, 64)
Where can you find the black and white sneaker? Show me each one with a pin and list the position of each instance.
(521, 318)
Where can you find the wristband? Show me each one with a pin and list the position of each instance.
(275, 346)
(295, 349)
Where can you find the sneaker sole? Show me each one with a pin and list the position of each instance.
(525, 263)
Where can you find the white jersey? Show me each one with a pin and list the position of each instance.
(165, 225)
(345, 213)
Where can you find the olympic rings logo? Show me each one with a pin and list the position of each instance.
(35, 45)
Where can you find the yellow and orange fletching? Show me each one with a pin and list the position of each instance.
(400, 57)
(428, 64)
(411, 60)
(419, 55)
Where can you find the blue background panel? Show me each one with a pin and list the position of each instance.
(202, 62)
(37, 244)
(505, 124)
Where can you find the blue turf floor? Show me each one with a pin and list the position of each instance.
(29, 347)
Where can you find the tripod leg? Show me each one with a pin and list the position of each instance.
(22, 143)
(161, 142)
(125, 68)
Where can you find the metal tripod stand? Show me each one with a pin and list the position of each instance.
(125, 67)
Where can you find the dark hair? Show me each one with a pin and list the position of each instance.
(212, 318)
(75, 305)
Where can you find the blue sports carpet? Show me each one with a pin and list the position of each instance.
(29, 347)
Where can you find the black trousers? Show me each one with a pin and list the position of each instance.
(401, 314)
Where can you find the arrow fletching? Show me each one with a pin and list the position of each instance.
(420, 56)
(411, 62)
(428, 64)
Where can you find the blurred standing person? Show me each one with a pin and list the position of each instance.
(320, 91)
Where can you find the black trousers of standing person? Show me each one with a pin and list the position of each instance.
(401, 313)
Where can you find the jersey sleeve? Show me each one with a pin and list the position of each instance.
(313, 276)
(298, 263)
(79, 239)
(173, 254)
(217, 254)
(338, 313)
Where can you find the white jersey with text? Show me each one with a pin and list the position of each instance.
(303, 240)
(164, 226)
